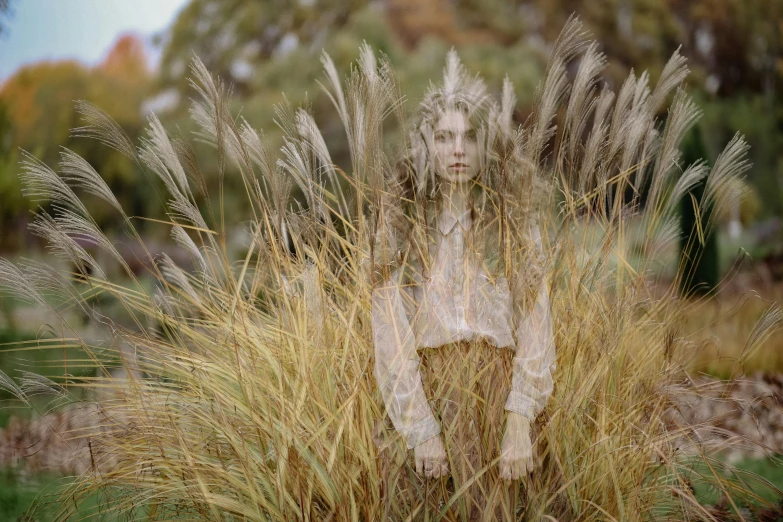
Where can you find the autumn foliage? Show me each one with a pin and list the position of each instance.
(38, 103)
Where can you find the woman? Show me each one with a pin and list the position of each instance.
(450, 302)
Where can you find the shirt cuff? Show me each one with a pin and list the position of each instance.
(522, 404)
(422, 431)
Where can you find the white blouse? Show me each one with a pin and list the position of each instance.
(459, 301)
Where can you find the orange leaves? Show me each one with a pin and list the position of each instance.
(40, 97)
(127, 60)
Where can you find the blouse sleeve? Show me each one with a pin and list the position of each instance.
(397, 365)
(534, 360)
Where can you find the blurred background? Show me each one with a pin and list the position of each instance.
(132, 59)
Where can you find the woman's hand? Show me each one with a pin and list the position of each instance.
(430, 457)
(516, 451)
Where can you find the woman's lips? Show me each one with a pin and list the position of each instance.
(458, 166)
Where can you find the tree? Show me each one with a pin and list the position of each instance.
(737, 42)
(12, 204)
(233, 37)
(5, 10)
(40, 110)
(40, 99)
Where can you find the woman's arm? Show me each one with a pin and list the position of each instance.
(531, 382)
(534, 360)
(397, 365)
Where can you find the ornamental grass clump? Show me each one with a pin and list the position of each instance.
(241, 387)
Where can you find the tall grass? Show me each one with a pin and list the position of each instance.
(721, 329)
(248, 390)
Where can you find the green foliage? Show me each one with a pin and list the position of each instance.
(759, 118)
(737, 43)
(19, 492)
(12, 335)
(770, 469)
(12, 204)
(37, 114)
(698, 240)
(236, 36)
(268, 47)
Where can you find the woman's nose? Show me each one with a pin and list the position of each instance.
(459, 149)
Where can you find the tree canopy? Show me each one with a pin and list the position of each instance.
(37, 112)
(269, 52)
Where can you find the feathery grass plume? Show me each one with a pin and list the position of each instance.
(100, 126)
(554, 88)
(78, 172)
(250, 392)
(313, 138)
(177, 277)
(277, 184)
(731, 165)
(42, 184)
(674, 73)
(182, 238)
(32, 384)
(152, 161)
(334, 90)
(184, 210)
(299, 159)
(219, 129)
(596, 145)
(211, 113)
(158, 154)
(689, 179)
(621, 119)
(770, 322)
(682, 116)
(87, 232)
(50, 284)
(362, 104)
(64, 246)
(9, 385)
(508, 103)
(582, 101)
(186, 155)
(159, 144)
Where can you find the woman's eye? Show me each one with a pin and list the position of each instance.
(440, 138)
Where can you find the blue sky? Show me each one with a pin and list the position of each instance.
(81, 29)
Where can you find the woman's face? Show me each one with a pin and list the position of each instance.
(456, 154)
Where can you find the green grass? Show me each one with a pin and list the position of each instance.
(20, 492)
(769, 469)
(53, 363)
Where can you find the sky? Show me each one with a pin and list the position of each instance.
(81, 29)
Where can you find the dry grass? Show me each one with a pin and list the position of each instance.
(250, 393)
(720, 329)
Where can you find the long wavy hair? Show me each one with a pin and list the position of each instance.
(501, 193)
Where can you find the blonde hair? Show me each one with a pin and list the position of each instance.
(460, 92)
(503, 184)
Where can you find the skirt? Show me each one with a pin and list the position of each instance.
(467, 385)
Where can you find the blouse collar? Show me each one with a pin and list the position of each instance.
(447, 219)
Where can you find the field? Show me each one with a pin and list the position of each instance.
(718, 329)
